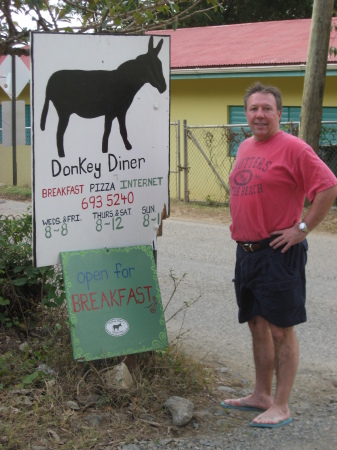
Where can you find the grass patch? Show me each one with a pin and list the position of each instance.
(199, 211)
(48, 399)
(201, 206)
(21, 193)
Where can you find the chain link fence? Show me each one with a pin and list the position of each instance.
(208, 161)
(209, 154)
(175, 164)
(328, 145)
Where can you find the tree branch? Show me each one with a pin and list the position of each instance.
(5, 4)
(121, 17)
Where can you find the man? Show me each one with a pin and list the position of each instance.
(273, 173)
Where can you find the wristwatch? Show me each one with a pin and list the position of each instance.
(303, 227)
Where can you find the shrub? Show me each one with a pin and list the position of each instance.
(24, 288)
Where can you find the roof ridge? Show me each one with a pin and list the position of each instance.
(236, 25)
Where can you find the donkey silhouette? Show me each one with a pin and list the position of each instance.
(95, 93)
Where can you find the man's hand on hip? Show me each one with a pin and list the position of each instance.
(287, 237)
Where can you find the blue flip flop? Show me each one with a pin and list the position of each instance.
(241, 408)
(271, 425)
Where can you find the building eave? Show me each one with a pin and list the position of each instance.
(297, 70)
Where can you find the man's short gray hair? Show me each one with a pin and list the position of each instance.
(259, 87)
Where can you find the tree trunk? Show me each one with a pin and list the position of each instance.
(314, 80)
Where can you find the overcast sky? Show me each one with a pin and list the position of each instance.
(27, 21)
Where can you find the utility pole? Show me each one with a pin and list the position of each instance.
(14, 121)
(315, 73)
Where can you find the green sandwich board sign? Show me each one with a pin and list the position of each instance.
(114, 302)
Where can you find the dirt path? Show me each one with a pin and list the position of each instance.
(221, 214)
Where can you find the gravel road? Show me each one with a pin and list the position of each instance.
(206, 254)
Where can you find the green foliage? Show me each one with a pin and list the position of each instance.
(246, 11)
(333, 51)
(29, 379)
(209, 201)
(28, 368)
(24, 288)
(109, 16)
(16, 192)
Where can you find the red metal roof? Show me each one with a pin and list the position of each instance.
(283, 42)
(248, 44)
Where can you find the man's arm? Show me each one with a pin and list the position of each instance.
(318, 210)
(320, 207)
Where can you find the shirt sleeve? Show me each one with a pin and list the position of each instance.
(312, 173)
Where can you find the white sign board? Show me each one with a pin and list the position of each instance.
(100, 141)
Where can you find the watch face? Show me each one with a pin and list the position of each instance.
(303, 226)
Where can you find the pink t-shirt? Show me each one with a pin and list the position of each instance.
(269, 182)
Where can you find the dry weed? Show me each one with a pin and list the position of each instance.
(48, 399)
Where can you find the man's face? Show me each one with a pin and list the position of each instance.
(262, 115)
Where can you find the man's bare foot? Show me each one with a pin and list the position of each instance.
(273, 416)
(249, 402)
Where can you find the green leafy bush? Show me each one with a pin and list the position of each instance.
(24, 288)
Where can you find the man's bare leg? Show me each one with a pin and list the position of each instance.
(264, 358)
(286, 364)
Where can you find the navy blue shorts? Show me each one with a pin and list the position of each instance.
(271, 284)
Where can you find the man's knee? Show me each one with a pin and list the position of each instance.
(259, 325)
(281, 334)
(257, 321)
